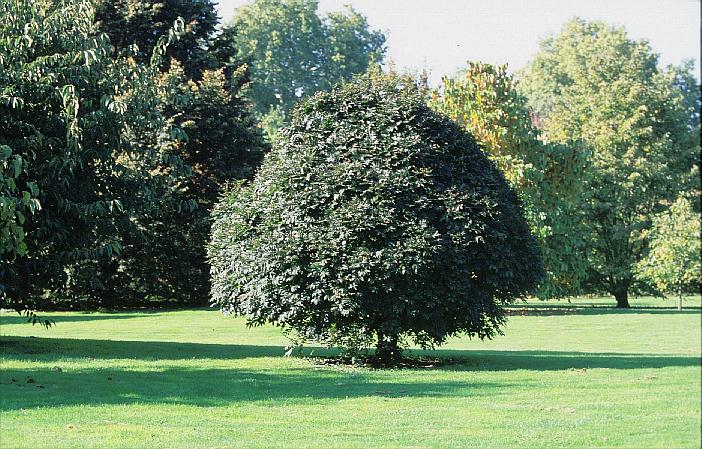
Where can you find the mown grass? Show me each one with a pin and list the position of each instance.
(564, 375)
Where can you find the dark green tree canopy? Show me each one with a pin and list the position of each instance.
(97, 150)
(373, 216)
(202, 82)
(223, 144)
(143, 22)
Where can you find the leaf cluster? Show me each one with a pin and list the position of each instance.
(82, 127)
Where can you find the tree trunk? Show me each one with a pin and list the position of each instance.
(388, 352)
(622, 297)
(680, 298)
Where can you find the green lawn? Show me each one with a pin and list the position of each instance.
(564, 375)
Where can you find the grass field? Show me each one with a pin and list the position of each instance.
(564, 375)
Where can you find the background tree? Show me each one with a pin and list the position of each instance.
(483, 99)
(202, 93)
(373, 218)
(89, 125)
(294, 52)
(223, 144)
(672, 264)
(142, 22)
(592, 82)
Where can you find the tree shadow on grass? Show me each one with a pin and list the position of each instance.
(558, 360)
(210, 387)
(51, 350)
(59, 318)
(206, 385)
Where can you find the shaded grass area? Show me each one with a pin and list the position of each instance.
(49, 350)
(197, 379)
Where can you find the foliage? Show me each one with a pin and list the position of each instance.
(484, 101)
(375, 217)
(201, 93)
(223, 144)
(15, 203)
(295, 53)
(640, 123)
(672, 264)
(142, 22)
(98, 150)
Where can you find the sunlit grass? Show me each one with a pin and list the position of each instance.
(564, 375)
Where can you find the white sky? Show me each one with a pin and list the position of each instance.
(441, 35)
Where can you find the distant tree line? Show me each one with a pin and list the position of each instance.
(124, 123)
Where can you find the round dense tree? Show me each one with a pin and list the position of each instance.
(373, 218)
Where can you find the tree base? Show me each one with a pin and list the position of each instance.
(371, 362)
(622, 298)
(387, 357)
(387, 352)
